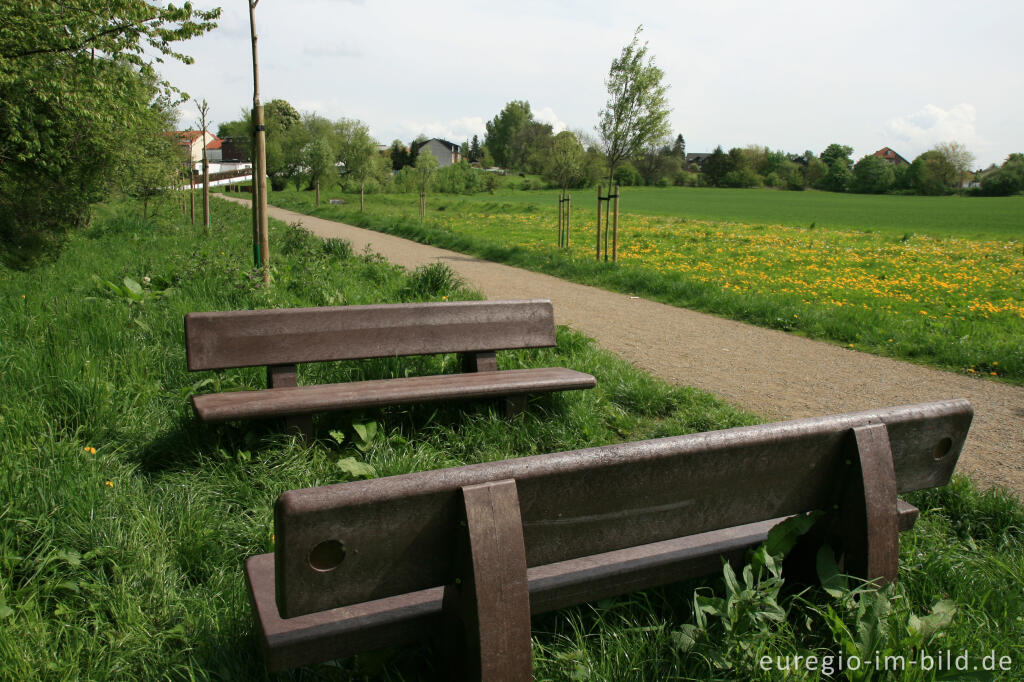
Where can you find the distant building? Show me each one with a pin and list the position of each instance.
(698, 159)
(892, 157)
(191, 141)
(444, 151)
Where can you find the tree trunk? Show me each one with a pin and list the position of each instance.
(317, 192)
(362, 189)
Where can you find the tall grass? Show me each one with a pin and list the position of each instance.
(124, 522)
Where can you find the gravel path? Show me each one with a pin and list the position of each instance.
(778, 375)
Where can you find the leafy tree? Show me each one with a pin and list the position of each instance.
(358, 151)
(564, 167)
(931, 173)
(717, 166)
(503, 128)
(529, 146)
(278, 113)
(158, 162)
(464, 150)
(399, 155)
(76, 80)
(318, 158)
(426, 166)
(958, 158)
(656, 160)
(637, 109)
(872, 175)
(840, 168)
(1009, 179)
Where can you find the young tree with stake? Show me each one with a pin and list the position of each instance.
(637, 110)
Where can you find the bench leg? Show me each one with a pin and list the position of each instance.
(515, 405)
(286, 376)
(487, 609)
(869, 520)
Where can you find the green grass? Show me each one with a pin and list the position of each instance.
(951, 216)
(952, 303)
(124, 523)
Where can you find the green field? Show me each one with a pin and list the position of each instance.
(951, 302)
(952, 216)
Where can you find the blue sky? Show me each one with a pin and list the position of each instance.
(791, 75)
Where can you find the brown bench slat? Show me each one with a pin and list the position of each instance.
(395, 621)
(397, 530)
(273, 402)
(250, 338)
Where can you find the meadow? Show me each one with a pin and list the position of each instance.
(948, 301)
(944, 216)
(124, 522)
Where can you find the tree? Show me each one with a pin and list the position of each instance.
(565, 162)
(318, 158)
(931, 173)
(399, 155)
(474, 149)
(76, 81)
(426, 166)
(158, 162)
(637, 109)
(503, 128)
(529, 146)
(840, 168)
(958, 158)
(679, 147)
(717, 166)
(872, 175)
(358, 151)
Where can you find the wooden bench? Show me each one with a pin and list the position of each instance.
(281, 339)
(473, 551)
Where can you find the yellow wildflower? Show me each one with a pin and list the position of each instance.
(90, 450)
(109, 484)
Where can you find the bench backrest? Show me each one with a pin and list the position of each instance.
(251, 338)
(352, 542)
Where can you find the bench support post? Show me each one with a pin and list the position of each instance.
(487, 606)
(514, 405)
(286, 376)
(868, 513)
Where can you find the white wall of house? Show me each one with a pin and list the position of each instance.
(444, 155)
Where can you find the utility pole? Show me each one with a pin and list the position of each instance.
(259, 181)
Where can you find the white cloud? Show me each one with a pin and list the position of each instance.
(932, 125)
(457, 130)
(547, 115)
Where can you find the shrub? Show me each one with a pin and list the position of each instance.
(627, 176)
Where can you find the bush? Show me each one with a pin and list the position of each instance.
(627, 176)
(1000, 184)
(744, 177)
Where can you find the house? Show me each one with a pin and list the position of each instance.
(697, 159)
(446, 153)
(192, 142)
(892, 157)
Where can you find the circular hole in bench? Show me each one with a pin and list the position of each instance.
(942, 448)
(327, 555)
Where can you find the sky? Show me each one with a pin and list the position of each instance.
(794, 75)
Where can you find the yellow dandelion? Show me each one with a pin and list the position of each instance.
(890, 340)
(970, 371)
(850, 346)
(90, 450)
(995, 363)
(109, 484)
(995, 374)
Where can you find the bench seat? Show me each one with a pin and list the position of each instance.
(403, 619)
(300, 400)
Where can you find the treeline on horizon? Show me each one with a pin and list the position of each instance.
(518, 143)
